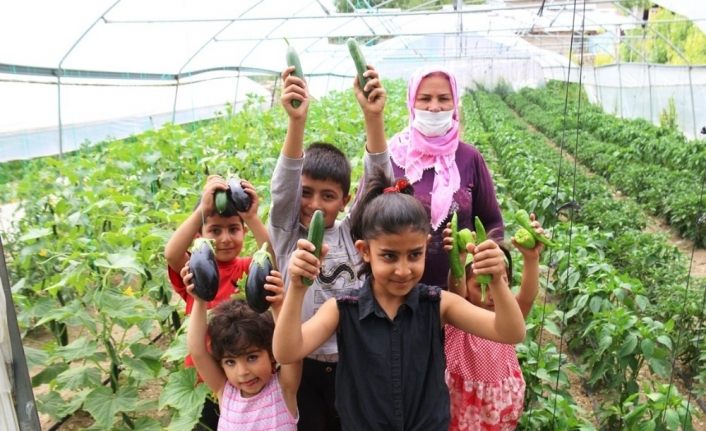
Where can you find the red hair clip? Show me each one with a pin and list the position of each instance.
(400, 185)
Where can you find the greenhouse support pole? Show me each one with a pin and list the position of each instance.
(176, 97)
(61, 125)
(25, 405)
(693, 107)
(649, 85)
(597, 87)
(620, 90)
(237, 86)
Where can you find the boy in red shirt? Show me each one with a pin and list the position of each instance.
(228, 231)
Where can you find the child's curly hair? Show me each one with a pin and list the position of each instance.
(234, 327)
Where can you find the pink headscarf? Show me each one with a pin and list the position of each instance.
(415, 152)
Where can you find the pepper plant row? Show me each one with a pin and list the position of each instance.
(659, 266)
(608, 318)
(655, 166)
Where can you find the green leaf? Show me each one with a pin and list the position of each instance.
(141, 369)
(551, 327)
(35, 233)
(78, 349)
(103, 404)
(665, 341)
(79, 377)
(49, 373)
(35, 357)
(642, 302)
(125, 308)
(125, 261)
(177, 351)
(628, 346)
(648, 347)
(55, 406)
(672, 417)
(182, 392)
(184, 420)
(659, 366)
(605, 342)
(149, 424)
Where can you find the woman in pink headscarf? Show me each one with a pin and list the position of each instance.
(447, 174)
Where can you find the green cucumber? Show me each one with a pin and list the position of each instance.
(316, 236)
(360, 65)
(293, 60)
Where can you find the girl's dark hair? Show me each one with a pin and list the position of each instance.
(234, 327)
(379, 212)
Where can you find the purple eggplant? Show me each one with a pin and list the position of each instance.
(204, 269)
(238, 197)
(259, 269)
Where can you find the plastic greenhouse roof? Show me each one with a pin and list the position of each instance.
(168, 38)
(75, 68)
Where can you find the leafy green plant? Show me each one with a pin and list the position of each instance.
(668, 116)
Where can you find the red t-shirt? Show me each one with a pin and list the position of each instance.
(228, 272)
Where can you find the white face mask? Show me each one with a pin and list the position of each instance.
(432, 123)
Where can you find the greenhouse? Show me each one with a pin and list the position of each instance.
(116, 116)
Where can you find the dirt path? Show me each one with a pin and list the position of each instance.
(698, 261)
(654, 224)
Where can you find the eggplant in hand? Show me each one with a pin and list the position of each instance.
(259, 269)
(204, 269)
(233, 200)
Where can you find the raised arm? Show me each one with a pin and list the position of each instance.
(207, 367)
(373, 107)
(290, 374)
(293, 340)
(176, 249)
(529, 286)
(506, 324)
(250, 217)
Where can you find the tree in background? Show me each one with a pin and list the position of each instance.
(687, 43)
(344, 6)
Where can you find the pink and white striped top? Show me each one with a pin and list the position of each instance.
(264, 412)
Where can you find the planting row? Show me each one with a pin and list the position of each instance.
(657, 167)
(611, 321)
(86, 259)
